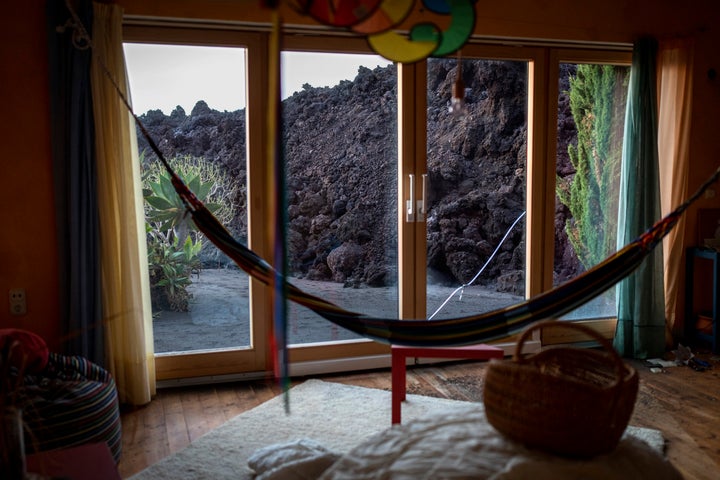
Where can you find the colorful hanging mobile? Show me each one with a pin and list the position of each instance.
(339, 13)
(387, 15)
(379, 19)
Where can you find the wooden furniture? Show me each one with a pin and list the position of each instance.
(693, 254)
(401, 353)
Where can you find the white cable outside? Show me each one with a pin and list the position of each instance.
(461, 288)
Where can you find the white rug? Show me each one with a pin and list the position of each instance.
(337, 416)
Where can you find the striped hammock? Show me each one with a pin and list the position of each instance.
(468, 330)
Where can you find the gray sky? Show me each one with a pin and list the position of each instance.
(163, 76)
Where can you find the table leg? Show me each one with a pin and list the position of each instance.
(398, 384)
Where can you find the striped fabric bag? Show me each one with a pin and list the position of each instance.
(72, 402)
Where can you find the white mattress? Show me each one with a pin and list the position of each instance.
(455, 445)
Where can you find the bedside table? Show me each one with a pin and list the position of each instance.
(693, 254)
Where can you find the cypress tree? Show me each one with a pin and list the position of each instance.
(597, 102)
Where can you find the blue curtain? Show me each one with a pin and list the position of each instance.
(640, 297)
(73, 154)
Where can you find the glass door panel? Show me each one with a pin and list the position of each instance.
(591, 118)
(340, 141)
(192, 99)
(476, 186)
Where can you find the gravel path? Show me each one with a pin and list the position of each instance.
(218, 316)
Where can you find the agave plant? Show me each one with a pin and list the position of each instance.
(167, 211)
(174, 243)
(170, 269)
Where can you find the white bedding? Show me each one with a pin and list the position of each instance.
(458, 445)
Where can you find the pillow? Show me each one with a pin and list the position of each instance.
(296, 460)
(23, 350)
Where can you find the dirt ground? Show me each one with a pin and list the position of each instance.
(218, 316)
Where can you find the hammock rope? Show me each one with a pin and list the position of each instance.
(459, 331)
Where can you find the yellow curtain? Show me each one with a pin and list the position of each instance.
(675, 65)
(127, 313)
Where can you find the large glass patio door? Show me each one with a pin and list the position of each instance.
(467, 242)
(341, 175)
(200, 95)
(340, 146)
(497, 192)
(475, 185)
(393, 203)
(340, 142)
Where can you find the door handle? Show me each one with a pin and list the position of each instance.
(410, 203)
(416, 210)
(422, 203)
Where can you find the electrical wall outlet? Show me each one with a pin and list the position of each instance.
(18, 302)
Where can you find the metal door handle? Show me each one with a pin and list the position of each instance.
(422, 203)
(410, 203)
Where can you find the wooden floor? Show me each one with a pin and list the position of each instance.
(682, 403)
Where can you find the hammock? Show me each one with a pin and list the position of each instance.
(455, 331)
(459, 331)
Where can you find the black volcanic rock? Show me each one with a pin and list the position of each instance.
(342, 177)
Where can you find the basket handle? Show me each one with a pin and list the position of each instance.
(617, 360)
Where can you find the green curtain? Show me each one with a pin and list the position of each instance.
(640, 297)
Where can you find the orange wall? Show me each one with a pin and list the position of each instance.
(28, 255)
(705, 135)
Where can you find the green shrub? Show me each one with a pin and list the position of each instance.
(174, 243)
(170, 269)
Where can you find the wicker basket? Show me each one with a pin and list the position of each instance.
(569, 401)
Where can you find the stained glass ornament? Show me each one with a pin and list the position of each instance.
(339, 13)
(388, 15)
